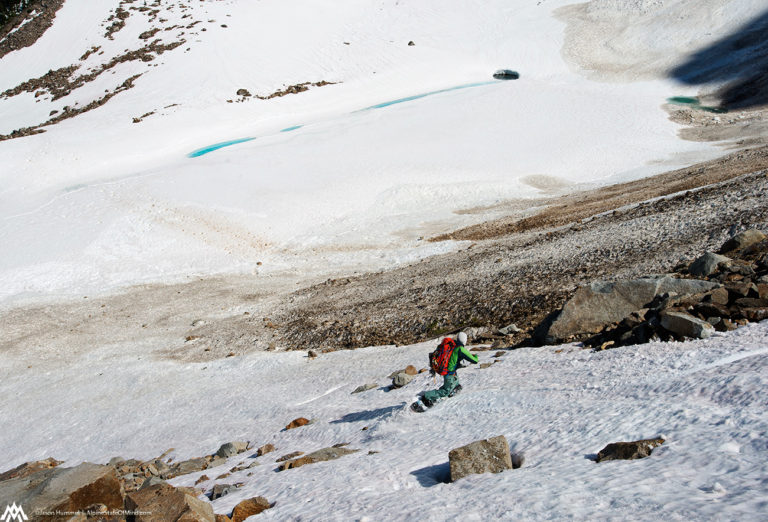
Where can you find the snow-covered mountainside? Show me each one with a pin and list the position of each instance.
(109, 197)
(178, 178)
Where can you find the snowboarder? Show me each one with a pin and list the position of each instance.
(451, 384)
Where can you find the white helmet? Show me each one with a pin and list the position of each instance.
(461, 338)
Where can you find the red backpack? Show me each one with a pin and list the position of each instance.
(439, 359)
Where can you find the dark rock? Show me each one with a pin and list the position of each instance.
(366, 387)
(250, 507)
(751, 302)
(712, 310)
(628, 450)
(321, 455)
(741, 241)
(243, 92)
(164, 502)
(506, 74)
(411, 44)
(602, 303)
(707, 264)
(718, 296)
(297, 423)
(482, 456)
(686, 325)
(755, 314)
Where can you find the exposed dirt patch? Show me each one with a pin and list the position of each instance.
(573, 208)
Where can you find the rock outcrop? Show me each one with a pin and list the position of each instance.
(164, 502)
(322, 455)
(64, 489)
(603, 302)
(482, 456)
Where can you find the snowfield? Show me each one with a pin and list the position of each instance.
(98, 202)
(557, 405)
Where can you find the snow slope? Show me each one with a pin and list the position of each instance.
(98, 202)
(557, 405)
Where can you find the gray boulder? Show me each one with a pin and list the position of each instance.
(482, 456)
(742, 240)
(231, 448)
(603, 302)
(707, 264)
(64, 489)
(401, 379)
(686, 325)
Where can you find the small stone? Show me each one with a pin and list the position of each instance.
(321, 455)
(401, 379)
(266, 448)
(219, 490)
(638, 449)
(290, 456)
(297, 423)
(366, 387)
(231, 448)
(202, 478)
(411, 44)
(509, 329)
(243, 92)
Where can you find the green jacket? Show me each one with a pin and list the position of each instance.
(460, 354)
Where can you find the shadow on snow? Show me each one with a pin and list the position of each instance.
(737, 64)
(367, 415)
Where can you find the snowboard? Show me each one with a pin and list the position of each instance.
(420, 407)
